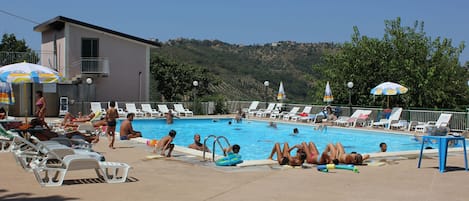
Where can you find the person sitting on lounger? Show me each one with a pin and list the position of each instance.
(312, 154)
(342, 157)
(284, 157)
(165, 144)
(197, 145)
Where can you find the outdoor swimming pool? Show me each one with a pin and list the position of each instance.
(257, 139)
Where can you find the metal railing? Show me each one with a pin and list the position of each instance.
(459, 120)
(15, 57)
(93, 65)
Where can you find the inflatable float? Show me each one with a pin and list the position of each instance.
(230, 160)
(326, 168)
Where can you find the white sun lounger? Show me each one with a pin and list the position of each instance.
(54, 174)
(265, 112)
(163, 109)
(96, 107)
(147, 109)
(306, 110)
(393, 118)
(131, 108)
(354, 119)
(442, 121)
(292, 113)
(179, 108)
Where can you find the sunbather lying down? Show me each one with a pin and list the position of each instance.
(340, 156)
(284, 157)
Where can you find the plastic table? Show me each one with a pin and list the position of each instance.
(443, 149)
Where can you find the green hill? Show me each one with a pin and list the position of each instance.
(242, 70)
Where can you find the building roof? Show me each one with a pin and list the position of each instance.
(59, 22)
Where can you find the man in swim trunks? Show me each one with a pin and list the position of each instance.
(165, 144)
(197, 145)
(284, 157)
(126, 130)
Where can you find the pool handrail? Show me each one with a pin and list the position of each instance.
(205, 143)
(221, 146)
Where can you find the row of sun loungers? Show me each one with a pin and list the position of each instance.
(358, 118)
(51, 160)
(146, 110)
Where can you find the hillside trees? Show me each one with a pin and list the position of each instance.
(174, 80)
(405, 55)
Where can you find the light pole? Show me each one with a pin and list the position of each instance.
(195, 83)
(266, 84)
(350, 86)
(88, 81)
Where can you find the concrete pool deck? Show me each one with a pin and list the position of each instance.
(177, 179)
(174, 179)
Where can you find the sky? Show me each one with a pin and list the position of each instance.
(243, 21)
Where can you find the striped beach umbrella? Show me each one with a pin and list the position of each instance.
(6, 94)
(328, 97)
(389, 89)
(28, 73)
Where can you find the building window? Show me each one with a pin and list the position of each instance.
(89, 54)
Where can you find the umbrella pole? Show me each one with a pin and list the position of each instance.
(26, 108)
(388, 101)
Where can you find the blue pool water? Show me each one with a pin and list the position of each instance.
(257, 139)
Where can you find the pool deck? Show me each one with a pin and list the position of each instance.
(177, 178)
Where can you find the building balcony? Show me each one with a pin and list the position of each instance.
(94, 65)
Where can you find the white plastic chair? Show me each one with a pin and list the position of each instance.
(146, 108)
(442, 121)
(179, 108)
(130, 107)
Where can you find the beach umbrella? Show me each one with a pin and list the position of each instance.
(328, 94)
(389, 89)
(6, 94)
(28, 73)
(281, 92)
(24, 72)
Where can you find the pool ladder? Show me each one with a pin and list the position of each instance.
(215, 141)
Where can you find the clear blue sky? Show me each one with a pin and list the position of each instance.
(244, 21)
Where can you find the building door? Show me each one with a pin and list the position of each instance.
(89, 54)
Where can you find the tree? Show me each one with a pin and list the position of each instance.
(174, 80)
(13, 51)
(405, 55)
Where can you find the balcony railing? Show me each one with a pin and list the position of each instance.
(97, 65)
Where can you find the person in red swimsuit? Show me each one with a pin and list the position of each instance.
(41, 108)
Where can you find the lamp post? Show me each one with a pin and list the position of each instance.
(350, 86)
(195, 83)
(88, 81)
(266, 84)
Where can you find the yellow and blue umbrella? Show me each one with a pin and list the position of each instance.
(389, 89)
(6, 94)
(281, 92)
(28, 73)
(328, 97)
(24, 72)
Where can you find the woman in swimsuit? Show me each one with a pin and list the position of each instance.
(41, 108)
(111, 116)
(312, 154)
(353, 158)
(284, 157)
